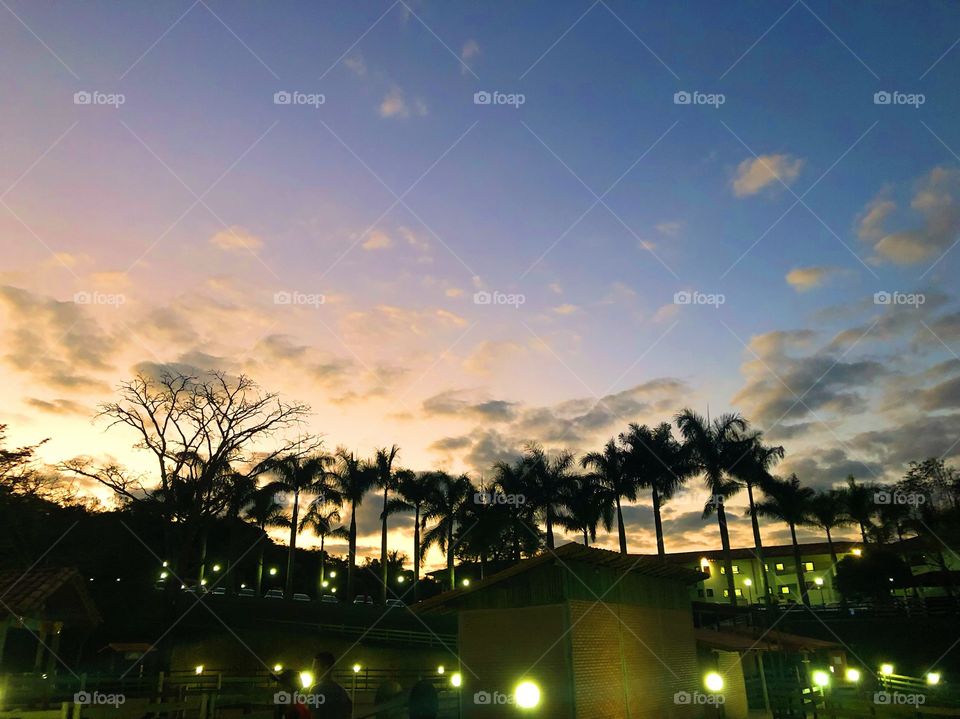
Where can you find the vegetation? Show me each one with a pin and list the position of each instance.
(226, 473)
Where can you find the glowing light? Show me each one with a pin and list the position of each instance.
(164, 575)
(821, 678)
(857, 552)
(203, 582)
(273, 571)
(278, 668)
(818, 581)
(852, 675)
(456, 679)
(933, 678)
(334, 590)
(440, 669)
(325, 583)
(333, 574)
(401, 579)
(527, 695)
(713, 682)
(466, 582)
(216, 567)
(198, 670)
(243, 586)
(886, 669)
(166, 564)
(306, 679)
(748, 582)
(357, 668)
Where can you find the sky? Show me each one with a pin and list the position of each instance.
(462, 226)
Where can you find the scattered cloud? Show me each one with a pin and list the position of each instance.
(754, 174)
(395, 104)
(469, 51)
(236, 238)
(670, 229)
(356, 64)
(803, 279)
(377, 240)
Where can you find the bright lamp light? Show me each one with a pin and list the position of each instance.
(713, 682)
(198, 669)
(852, 675)
(456, 679)
(886, 669)
(933, 678)
(821, 678)
(527, 695)
(306, 679)
(357, 668)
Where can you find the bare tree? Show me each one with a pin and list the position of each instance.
(196, 428)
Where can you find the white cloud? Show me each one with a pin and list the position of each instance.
(394, 104)
(470, 50)
(753, 174)
(356, 64)
(377, 240)
(236, 238)
(806, 278)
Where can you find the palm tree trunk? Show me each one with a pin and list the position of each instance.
(383, 549)
(863, 533)
(620, 528)
(203, 559)
(450, 571)
(833, 553)
(351, 550)
(263, 549)
(323, 538)
(658, 523)
(586, 539)
(801, 580)
(292, 550)
(549, 527)
(416, 552)
(727, 559)
(758, 544)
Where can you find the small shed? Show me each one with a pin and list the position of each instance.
(44, 602)
(598, 633)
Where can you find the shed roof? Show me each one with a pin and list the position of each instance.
(48, 593)
(573, 552)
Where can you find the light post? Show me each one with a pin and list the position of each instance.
(748, 583)
(819, 582)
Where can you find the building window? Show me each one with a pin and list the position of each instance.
(784, 589)
(737, 592)
(709, 592)
(779, 567)
(700, 593)
(808, 566)
(736, 569)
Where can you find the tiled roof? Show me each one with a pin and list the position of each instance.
(573, 552)
(27, 594)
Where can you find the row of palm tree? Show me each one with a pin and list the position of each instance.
(549, 493)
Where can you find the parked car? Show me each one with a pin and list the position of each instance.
(329, 599)
(246, 592)
(395, 603)
(274, 594)
(363, 599)
(300, 597)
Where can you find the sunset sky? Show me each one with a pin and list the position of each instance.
(334, 251)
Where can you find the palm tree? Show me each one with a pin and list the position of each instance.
(414, 490)
(826, 511)
(753, 469)
(522, 534)
(586, 504)
(610, 472)
(546, 483)
(714, 449)
(655, 460)
(264, 511)
(322, 518)
(860, 505)
(446, 505)
(383, 463)
(353, 478)
(789, 502)
(299, 475)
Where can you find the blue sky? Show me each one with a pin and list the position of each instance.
(492, 198)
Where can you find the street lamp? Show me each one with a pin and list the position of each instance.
(819, 582)
(466, 582)
(527, 695)
(853, 675)
(748, 583)
(440, 669)
(933, 678)
(821, 678)
(333, 574)
(216, 567)
(456, 679)
(713, 682)
(886, 669)
(401, 579)
(273, 571)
